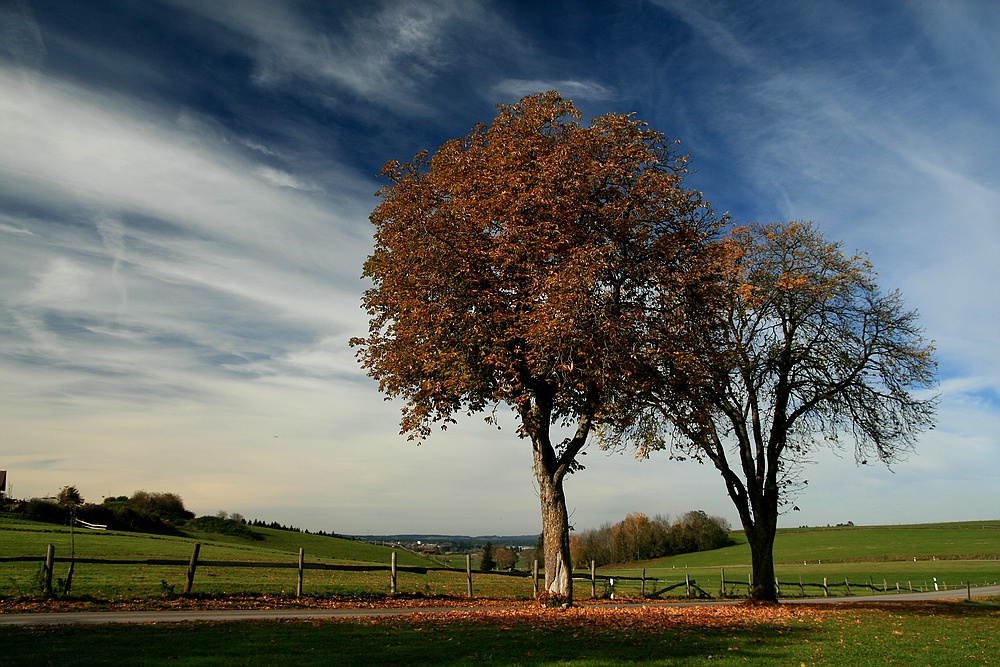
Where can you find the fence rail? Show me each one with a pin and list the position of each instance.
(49, 561)
(727, 587)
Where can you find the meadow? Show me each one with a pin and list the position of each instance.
(588, 635)
(911, 557)
(940, 634)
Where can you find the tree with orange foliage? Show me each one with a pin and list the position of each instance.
(796, 343)
(516, 266)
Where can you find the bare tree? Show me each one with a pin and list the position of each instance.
(793, 346)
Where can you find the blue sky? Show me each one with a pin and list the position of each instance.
(184, 198)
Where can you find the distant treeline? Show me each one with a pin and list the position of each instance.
(142, 512)
(638, 537)
(277, 526)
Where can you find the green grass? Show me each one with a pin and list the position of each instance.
(977, 540)
(952, 552)
(859, 554)
(940, 634)
(25, 538)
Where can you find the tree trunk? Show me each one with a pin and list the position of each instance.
(761, 540)
(555, 529)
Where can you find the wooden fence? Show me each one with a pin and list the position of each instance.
(842, 587)
(301, 565)
(648, 586)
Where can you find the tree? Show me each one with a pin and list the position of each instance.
(69, 498)
(696, 531)
(638, 537)
(166, 507)
(797, 343)
(486, 562)
(512, 268)
(504, 558)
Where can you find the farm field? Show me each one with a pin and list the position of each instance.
(953, 554)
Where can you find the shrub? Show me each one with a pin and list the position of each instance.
(47, 511)
(168, 507)
(214, 524)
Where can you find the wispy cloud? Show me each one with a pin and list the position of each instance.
(157, 231)
(871, 143)
(384, 55)
(515, 89)
(20, 38)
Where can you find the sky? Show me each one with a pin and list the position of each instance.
(184, 198)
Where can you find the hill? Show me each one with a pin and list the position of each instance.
(973, 540)
(455, 543)
(24, 538)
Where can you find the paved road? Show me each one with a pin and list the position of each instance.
(92, 618)
(953, 594)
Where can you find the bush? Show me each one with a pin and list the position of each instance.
(168, 507)
(46, 511)
(215, 524)
(504, 558)
(144, 512)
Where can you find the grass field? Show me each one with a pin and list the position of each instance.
(908, 556)
(25, 538)
(939, 634)
(913, 555)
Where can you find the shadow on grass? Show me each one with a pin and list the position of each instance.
(850, 635)
(939, 608)
(409, 643)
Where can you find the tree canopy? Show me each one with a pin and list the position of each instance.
(515, 266)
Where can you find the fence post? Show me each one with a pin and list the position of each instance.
(826, 589)
(50, 559)
(968, 590)
(392, 575)
(643, 593)
(534, 578)
(802, 589)
(687, 583)
(777, 587)
(468, 572)
(191, 568)
(722, 582)
(871, 586)
(298, 588)
(848, 585)
(593, 579)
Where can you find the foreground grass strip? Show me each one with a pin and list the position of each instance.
(952, 633)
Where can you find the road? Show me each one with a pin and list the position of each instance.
(216, 615)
